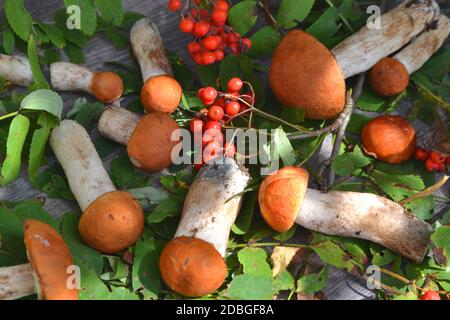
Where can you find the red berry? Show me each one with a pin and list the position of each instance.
(222, 5)
(175, 5)
(231, 38)
(186, 25)
(247, 44)
(220, 102)
(235, 84)
(219, 17)
(213, 147)
(210, 43)
(437, 157)
(233, 108)
(209, 57)
(421, 154)
(207, 94)
(198, 166)
(215, 113)
(194, 47)
(441, 167)
(197, 2)
(229, 150)
(195, 13)
(198, 58)
(234, 48)
(196, 125)
(448, 160)
(213, 125)
(204, 14)
(431, 295)
(201, 28)
(219, 55)
(212, 135)
(431, 166)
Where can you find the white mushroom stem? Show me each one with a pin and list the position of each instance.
(16, 69)
(149, 50)
(16, 282)
(213, 203)
(365, 48)
(67, 76)
(366, 216)
(84, 169)
(117, 124)
(414, 56)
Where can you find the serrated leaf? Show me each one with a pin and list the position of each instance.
(167, 208)
(86, 113)
(325, 26)
(283, 281)
(32, 209)
(11, 233)
(346, 163)
(293, 115)
(8, 41)
(111, 11)
(229, 68)
(43, 100)
(80, 251)
(54, 183)
(254, 261)
(38, 77)
(74, 53)
(18, 18)
(292, 11)
(284, 147)
(370, 101)
(441, 239)
(250, 287)
(398, 187)
(242, 16)
(18, 131)
(54, 35)
(149, 196)
(331, 253)
(438, 65)
(314, 282)
(382, 257)
(264, 42)
(119, 40)
(124, 174)
(88, 15)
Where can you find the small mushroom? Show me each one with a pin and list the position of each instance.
(107, 86)
(112, 220)
(148, 138)
(389, 138)
(193, 264)
(16, 70)
(284, 198)
(47, 272)
(305, 74)
(390, 76)
(161, 92)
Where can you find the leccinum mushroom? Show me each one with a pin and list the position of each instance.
(105, 86)
(148, 139)
(16, 70)
(390, 76)
(47, 274)
(112, 220)
(193, 264)
(284, 199)
(305, 74)
(161, 92)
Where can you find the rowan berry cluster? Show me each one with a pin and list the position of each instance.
(213, 38)
(220, 108)
(434, 161)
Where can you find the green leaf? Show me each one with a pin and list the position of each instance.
(111, 11)
(357, 123)
(74, 53)
(441, 239)
(331, 253)
(8, 42)
(313, 282)
(88, 15)
(209, 74)
(264, 42)
(40, 136)
(242, 16)
(183, 74)
(54, 183)
(80, 251)
(244, 220)
(18, 18)
(43, 100)
(39, 79)
(254, 261)
(346, 163)
(293, 115)
(86, 113)
(18, 131)
(32, 209)
(324, 27)
(250, 287)
(283, 281)
(438, 65)
(229, 68)
(167, 208)
(119, 40)
(398, 187)
(370, 101)
(292, 11)
(382, 256)
(124, 174)
(54, 35)
(284, 147)
(149, 196)
(11, 235)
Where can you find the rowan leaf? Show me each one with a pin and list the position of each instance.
(284, 147)
(43, 100)
(346, 163)
(111, 11)
(242, 16)
(293, 11)
(264, 42)
(314, 282)
(38, 77)
(325, 26)
(11, 235)
(54, 34)
(167, 208)
(8, 41)
(18, 18)
(250, 287)
(254, 261)
(88, 15)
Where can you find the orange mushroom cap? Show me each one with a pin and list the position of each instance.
(150, 146)
(192, 267)
(389, 138)
(107, 86)
(50, 258)
(281, 196)
(112, 223)
(305, 74)
(161, 93)
(389, 77)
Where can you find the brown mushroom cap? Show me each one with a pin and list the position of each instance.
(389, 138)
(161, 93)
(107, 86)
(150, 146)
(281, 196)
(192, 267)
(49, 257)
(305, 74)
(389, 77)
(112, 223)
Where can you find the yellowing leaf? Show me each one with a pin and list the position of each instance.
(282, 257)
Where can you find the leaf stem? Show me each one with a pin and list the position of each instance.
(9, 115)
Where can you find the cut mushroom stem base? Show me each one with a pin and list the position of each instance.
(16, 69)
(17, 282)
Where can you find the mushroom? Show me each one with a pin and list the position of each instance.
(305, 74)
(47, 272)
(148, 138)
(284, 198)
(105, 86)
(390, 76)
(161, 92)
(16, 70)
(389, 138)
(193, 264)
(112, 220)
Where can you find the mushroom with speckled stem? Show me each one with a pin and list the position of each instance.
(16, 70)
(112, 220)
(48, 272)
